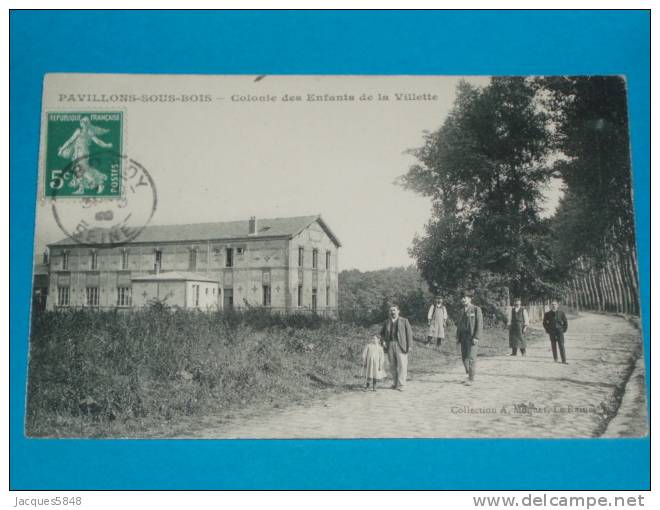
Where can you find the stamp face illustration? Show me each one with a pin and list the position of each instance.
(76, 147)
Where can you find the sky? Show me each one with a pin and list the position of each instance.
(236, 156)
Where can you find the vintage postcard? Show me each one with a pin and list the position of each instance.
(335, 257)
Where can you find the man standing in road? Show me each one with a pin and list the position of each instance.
(398, 337)
(437, 321)
(555, 325)
(468, 330)
(518, 323)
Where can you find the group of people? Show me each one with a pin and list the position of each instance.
(395, 340)
(555, 324)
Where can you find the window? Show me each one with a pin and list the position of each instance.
(327, 296)
(124, 259)
(192, 259)
(327, 259)
(315, 258)
(158, 260)
(124, 296)
(195, 291)
(229, 259)
(93, 260)
(65, 261)
(314, 300)
(266, 300)
(63, 296)
(301, 256)
(207, 291)
(214, 291)
(92, 296)
(300, 295)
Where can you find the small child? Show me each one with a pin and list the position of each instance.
(373, 362)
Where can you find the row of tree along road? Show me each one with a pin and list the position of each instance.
(488, 170)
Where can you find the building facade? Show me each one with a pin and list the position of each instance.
(283, 264)
(177, 288)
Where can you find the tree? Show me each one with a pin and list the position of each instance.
(591, 119)
(365, 296)
(593, 230)
(484, 170)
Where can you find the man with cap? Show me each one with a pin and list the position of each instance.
(468, 330)
(555, 325)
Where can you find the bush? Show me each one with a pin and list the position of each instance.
(122, 373)
(160, 363)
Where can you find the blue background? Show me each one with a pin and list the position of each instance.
(411, 42)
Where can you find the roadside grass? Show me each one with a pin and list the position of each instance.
(158, 372)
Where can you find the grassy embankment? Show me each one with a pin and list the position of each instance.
(155, 372)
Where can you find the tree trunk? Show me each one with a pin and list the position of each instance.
(628, 284)
(577, 296)
(610, 289)
(633, 258)
(607, 291)
(599, 296)
(615, 288)
(598, 284)
(619, 284)
(625, 297)
(633, 277)
(588, 296)
(602, 288)
(611, 298)
(583, 286)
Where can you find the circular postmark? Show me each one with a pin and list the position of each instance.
(92, 221)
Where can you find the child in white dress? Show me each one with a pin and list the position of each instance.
(373, 362)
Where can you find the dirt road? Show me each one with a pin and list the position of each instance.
(511, 397)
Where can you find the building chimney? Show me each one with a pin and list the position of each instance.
(253, 226)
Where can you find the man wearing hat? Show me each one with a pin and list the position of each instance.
(398, 338)
(555, 325)
(468, 330)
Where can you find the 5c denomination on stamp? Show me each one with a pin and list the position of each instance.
(74, 141)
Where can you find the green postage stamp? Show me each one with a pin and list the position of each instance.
(83, 154)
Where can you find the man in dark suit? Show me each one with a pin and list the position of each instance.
(468, 330)
(398, 338)
(555, 325)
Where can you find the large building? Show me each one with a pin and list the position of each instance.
(284, 264)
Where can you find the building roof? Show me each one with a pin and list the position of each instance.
(266, 228)
(174, 276)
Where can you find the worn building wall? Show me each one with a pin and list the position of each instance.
(172, 292)
(208, 299)
(320, 278)
(143, 292)
(256, 262)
